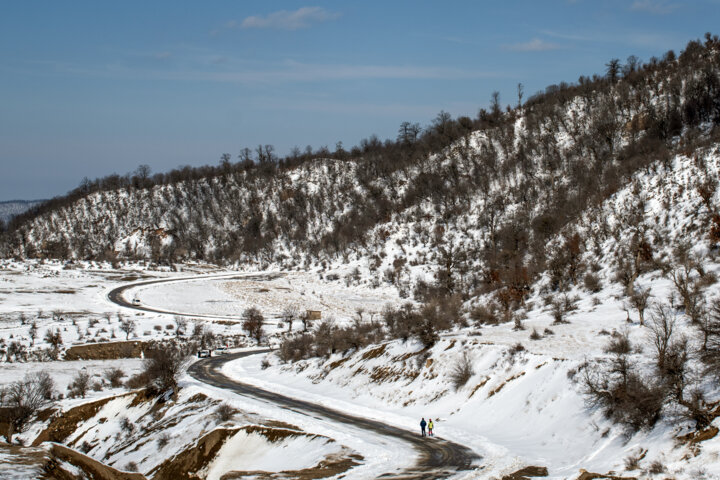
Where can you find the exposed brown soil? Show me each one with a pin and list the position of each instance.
(184, 465)
(34, 458)
(374, 353)
(479, 386)
(106, 351)
(92, 468)
(526, 473)
(187, 464)
(279, 424)
(330, 467)
(50, 462)
(700, 435)
(66, 423)
(500, 387)
(600, 476)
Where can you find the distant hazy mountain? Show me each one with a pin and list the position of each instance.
(15, 207)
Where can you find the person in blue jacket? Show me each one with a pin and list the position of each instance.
(422, 426)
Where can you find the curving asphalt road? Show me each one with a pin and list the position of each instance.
(116, 294)
(437, 458)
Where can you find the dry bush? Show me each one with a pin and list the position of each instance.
(486, 314)
(619, 343)
(79, 385)
(461, 372)
(23, 398)
(224, 412)
(114, 376)
(515, 349)
(625, 397)
(632, 462)
(561, 306)
(163, 440)
(535, 335)
(296, 348)
(656, 468)
(127, 426)
(592, 282)
(164, 362)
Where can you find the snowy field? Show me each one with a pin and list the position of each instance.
(72, 300)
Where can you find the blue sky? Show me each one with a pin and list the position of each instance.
(89, 88)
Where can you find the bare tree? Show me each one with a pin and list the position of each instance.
(520, 92)
(33, 332)
(164, 362)
(80, 384)
(639, 300)
(306, 320)
(253, 322)
(613, 69)
(23, 398)
(180, 325)
(662, 326)
(289, 315)
(127, 326)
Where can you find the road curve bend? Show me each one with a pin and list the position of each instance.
(438, 458)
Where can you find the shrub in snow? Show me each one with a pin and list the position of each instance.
(627, 397)
(23, 398)
(656, 468)
(619, 343)
(127, 426)
(114, 376)
(163, 440)
(461, 372)
(79, 385)
(592, 282)
(164, 362)
(224, 412)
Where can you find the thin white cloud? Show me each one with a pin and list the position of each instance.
(221, 69)
(656, 7)
(287, 20)
(534, 45)
(566, 36)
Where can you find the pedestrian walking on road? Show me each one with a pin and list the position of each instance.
(430, 427)
(422, 426)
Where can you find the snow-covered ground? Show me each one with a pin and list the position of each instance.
(72, 299)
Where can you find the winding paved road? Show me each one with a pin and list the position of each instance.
(116, 294)
(437, 458)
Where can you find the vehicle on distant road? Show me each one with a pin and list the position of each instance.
(204, 353)
(136, 301)
(221, 351)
